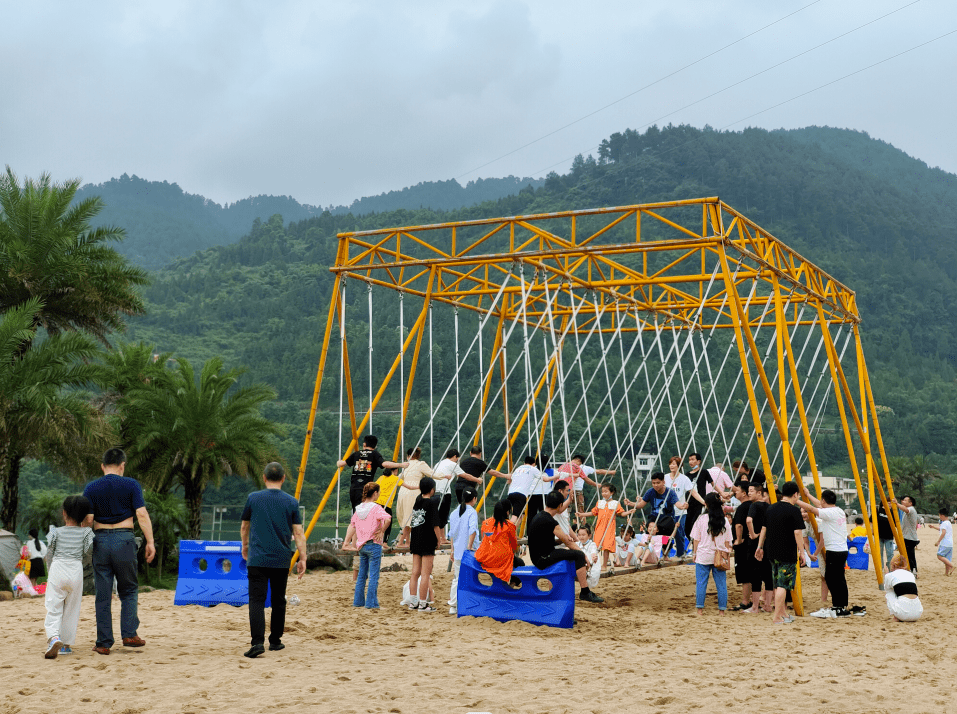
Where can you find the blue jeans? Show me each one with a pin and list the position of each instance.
(680, 536)
(887, 552)
(114, 556)
(701, 585)
(370, 556)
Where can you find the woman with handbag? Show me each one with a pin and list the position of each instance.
(711, 536)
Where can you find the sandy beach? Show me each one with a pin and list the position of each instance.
(643, 650)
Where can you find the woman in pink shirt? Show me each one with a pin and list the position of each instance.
(365, 533)
(711, 532)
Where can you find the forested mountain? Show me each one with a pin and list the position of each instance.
(164, 223)
(878, 220)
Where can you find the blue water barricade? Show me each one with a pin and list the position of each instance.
(547, 597)
(212, 573)
(857, 559)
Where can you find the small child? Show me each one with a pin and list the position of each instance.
(606, 511)
(593, 574)
(64, 593)
(945, 543)
(858, 531)
(625, 555)
(650, 545)
(463, 530)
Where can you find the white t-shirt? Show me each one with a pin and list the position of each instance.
(460, 528)
(563, 522)
(626, 551)
(443, 475)
(947, 528)
(523, 479)
(901, 575)
(539, 484)
(833, 522)
(681, 485)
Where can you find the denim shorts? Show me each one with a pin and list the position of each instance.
(945, 552)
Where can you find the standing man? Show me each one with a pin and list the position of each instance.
(270, 520)
(760, 570)
(663, 503)
(908, 517)
(885, 534)
(116, 501)
(742, 549)
(782, 543)
(681, 485)
(365, 462)
(833, 524)
(474, 469)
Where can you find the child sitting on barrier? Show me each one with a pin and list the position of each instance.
(498, 553)
(625, 554)
(425, 537)
(64, 593)
(593, 574)
(366, 532)
(463, 529)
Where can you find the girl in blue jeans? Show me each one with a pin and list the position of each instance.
(710, 533)
(365, 533)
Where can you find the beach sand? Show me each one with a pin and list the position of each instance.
(645, 649)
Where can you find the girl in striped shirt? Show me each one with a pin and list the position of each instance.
(64, 594)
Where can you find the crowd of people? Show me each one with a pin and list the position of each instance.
(704, 514)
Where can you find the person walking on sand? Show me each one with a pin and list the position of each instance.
(270, 521)
(116, 501)
(945, 543)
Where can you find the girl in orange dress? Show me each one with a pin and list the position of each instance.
(497, 553)
(606, 511)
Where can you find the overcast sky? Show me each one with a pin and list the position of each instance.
(328, 102)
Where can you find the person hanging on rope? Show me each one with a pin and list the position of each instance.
(605, 512)
(473, 471)
(445, 472)
(577, 475)
(364, 463)
(521, 483)
(742, 470)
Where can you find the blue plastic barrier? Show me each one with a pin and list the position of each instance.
(212, 573)
(554, 607)
(857, 559)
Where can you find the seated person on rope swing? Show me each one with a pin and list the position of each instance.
(625, 555)
(365, 462)
(543, 531)
(605, 511)
(649, 547)
(663, 502)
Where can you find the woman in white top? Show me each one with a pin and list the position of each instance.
(411, 475)
(900, 587)
(36, 551)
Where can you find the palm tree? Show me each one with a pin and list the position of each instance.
(130, 365)
(41, 414)
(45, 507)
(190, 433)
(49, 251)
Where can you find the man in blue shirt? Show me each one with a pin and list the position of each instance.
(663, 501)
(270, 521)
(116, 501)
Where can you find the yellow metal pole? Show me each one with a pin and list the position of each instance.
(315, 393)
(347, 376)
(496, 347)
(869, 460)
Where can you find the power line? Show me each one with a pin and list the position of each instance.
(621, 167)
(637, 91)
(746, 79)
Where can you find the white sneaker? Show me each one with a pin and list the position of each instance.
(825, 613)
(53, 647)
(453, 611)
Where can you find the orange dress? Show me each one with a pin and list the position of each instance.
(496, 552)
(605, 530)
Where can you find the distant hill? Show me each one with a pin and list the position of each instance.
(164, 223)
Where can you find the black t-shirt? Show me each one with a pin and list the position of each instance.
(758, 515)
(741, 519)
(425, 517)
(364, 463)
(474, 467)
(757, 477)
(782, 520)
(541, 536)
(884, 531)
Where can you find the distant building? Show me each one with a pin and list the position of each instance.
(844, 487)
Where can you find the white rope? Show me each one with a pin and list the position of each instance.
(458, 410)
(342, 383)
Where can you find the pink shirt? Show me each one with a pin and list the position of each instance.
(366, 521)
(721, 480)
(704, 555)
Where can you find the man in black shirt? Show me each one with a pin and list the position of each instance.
(542, 532)
(886, 537)
(782, 542)
(474, 469)
(760, 570)
(742, 550)
(365, 462)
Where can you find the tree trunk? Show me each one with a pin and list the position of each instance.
(193, 494)
(10, 500)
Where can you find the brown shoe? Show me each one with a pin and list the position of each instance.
(102, 650)
(133, 642)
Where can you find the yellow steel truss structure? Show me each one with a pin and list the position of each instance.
(686, 263)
